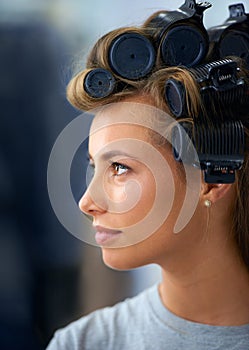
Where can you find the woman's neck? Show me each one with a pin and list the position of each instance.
(210, 289)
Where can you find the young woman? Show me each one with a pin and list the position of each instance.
(139, 190)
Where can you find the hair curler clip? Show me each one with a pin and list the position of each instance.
(99, 83)
(218, 83)
(180, 35)
(232, 37)
(219, 149)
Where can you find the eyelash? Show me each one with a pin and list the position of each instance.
(113, 166)
(124, 167)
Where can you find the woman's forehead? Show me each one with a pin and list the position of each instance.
(129, 127)
(132, 113)
(117, 136)
(121, 112)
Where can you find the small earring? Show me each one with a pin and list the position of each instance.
(207, 203)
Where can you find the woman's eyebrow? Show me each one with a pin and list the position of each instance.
(110, 154)
(114, 153)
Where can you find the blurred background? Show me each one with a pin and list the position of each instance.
(47, 277)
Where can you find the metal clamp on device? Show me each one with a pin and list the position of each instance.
(219, 150)
(180, 35)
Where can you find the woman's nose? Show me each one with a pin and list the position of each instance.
(90, 207)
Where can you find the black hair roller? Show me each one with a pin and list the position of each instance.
(232, 37)
(180, 35)
(219, 85)
(181, 138)
(99, 83)
(176, 97)
(131, 56)
(219, 149)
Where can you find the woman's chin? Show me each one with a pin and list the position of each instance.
(119, 259)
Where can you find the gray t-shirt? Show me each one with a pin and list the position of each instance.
(143, 323)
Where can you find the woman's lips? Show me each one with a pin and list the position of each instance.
(105, 235)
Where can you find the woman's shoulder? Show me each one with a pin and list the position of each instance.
(99, 329)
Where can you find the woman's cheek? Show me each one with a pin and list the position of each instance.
(116, 190)
(141, 197)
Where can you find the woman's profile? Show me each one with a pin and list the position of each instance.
(169, 145)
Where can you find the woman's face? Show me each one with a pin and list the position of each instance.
(136, 192)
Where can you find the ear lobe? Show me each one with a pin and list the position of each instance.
(215, 192)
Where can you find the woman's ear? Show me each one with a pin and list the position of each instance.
(215, 192)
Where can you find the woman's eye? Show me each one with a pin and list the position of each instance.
(119, 169)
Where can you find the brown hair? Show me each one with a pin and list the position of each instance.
(154, 86)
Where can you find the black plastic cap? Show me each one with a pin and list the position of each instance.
(183, 45)
(182, 147)
(131, 56)
(177, 143)
(175, 97)
(235, 43)
(99, 83)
